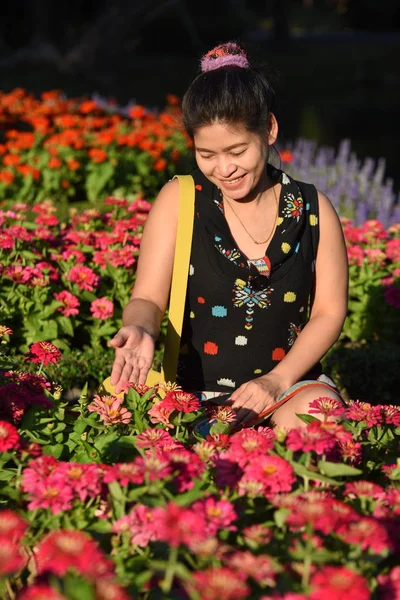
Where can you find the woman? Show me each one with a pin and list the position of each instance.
(267, 290)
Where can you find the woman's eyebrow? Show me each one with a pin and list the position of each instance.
(224, 149)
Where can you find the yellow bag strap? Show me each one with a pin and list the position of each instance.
(180, 275)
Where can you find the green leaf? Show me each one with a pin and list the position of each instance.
(303, 472)
(280, 517)
(97, 180)
(55, 450)
(127, 441)
(191, 496)
(306, 418)
(104, 441)
(219, 427)
(65, 324)
(337, 469)
(100, 526)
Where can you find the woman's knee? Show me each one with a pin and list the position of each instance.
(286, 416)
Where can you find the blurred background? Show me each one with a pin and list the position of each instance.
(337, 60)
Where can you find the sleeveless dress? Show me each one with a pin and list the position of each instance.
(243, 316)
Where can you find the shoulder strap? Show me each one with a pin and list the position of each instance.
(179, 275)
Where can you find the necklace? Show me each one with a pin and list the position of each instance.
(245, 228)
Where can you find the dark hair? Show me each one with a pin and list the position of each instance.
(229, 94)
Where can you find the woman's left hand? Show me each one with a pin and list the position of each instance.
(253, 397)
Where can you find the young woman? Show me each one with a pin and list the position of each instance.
(267, 290)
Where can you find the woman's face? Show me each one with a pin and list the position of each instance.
(232, 157)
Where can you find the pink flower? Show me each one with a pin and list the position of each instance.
(247, 445)
(153, 466)
(12, 526)
(159, 414)
(43, 352)
(153, 438)
(70, 303)
(219, 583)
(11, 558)
(187, 467)
(40, 591)
(393, 250)
(106, 589)
(363, 411)
(180, 401)
(52, 493)
(323, 515)
(110, 410)
(389, 585)
(258, 534)
(102, 308)
(177, 525)
(350, 450)
(260, 568)
(362, 488)
(62, 550)
(355, 255)
(218, 514)
(5, 331)
(390, 414)
(124, 473)
(6, 240)
(84, 277)
(338, 583)
(9, 437)
(83, 479)
(38, 469)
(366, 533)
(312, 438)
(275, 474)
(375, 256)
(328, 407)
(392, 296)
(140, 524)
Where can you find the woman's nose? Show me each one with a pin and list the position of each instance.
(226, 167)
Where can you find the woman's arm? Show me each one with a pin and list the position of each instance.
(329, 307)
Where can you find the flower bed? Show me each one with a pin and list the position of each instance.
(74, 148)
(120, 498)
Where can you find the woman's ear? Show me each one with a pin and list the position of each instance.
(272, 130)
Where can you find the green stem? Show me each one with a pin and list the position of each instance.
(170, 571)
(305, 578)
(41, 367)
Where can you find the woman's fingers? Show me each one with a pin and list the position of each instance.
(118, 367)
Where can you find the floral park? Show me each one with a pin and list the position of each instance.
(106, 498)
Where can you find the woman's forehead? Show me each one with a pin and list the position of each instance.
(221, 135)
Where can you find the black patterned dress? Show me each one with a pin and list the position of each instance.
(242, 317)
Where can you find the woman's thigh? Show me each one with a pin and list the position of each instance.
(285, 416)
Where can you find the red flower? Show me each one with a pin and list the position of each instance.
(84, 277)
(6, 177)
(88, 106)
(311, 438)
(137, 112)
(160, 164)
(9, 437)
(219, 583)
(11, 559)
(12, 526)
(389, 585)
(177, 525)
(98, 155)
(62, 550)
(180, 401)
(338, 583)
(54, 163)
(272, 473)
(45, 352)
(286, 156)
(40, 591)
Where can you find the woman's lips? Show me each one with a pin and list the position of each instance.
(236, 184)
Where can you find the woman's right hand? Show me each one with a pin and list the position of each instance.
(134, 350)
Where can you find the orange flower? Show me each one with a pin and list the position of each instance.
(27, 170)
(98, 155)
(10, 160)
(172, 99)
(88, 106)
(72, 164)
(137, 112)
(160, 164)
(3, 149)
(6, 177)
(65, 184)
(286, 156)
(54, 163)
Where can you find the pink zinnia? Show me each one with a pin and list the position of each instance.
(159, 414)
(140, 524)
(52, 493)
(5, 330)
(12, 526)
(391, 414)
(362, 488)
(177, 525)
(389, 585)
(84, 277)
(9, 437)
(260, 568)
(363, 411)
(83, 479)
(392, 296)
(11, 558)
(70, 303)
(43, 352)
(62, 550)
(247, 445)
(219, 583)
(312, 438)
(6, 240)
(366, 533)
(338, 583)
(328, 407)
(110, 410)
(218, 514)
(274, 473)
(187, 467)
(153, 438)
(102, 308)
(355, 255)
(124, 473)
(393, 250)
(40, 591)
(181, 401)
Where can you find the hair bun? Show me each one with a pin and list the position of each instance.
(224, 55)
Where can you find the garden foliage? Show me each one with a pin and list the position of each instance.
(120, 498)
